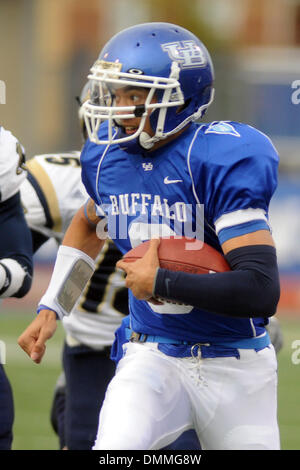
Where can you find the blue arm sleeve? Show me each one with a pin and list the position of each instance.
(251, 289)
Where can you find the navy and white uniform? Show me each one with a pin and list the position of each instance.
(51, 195)
(228, 171)
(16, 263)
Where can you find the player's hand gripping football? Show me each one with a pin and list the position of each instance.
(33, 339)
(140, 274)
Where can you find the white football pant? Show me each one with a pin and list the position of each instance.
(153, 398)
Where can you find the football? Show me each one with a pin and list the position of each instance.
(183, 254)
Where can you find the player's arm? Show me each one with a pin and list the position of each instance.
(251, 289)
(16, 264)
(73, 268)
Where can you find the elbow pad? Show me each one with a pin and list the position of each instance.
(15, 280)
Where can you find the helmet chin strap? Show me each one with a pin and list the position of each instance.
(146, 141)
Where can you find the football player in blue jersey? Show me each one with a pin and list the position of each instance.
(50, 196)
(16, 263)
(198, 353)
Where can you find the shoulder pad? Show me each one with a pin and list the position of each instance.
(12, 160)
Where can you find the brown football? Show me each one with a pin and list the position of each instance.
(183, 254)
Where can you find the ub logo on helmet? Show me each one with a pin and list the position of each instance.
(187, 53)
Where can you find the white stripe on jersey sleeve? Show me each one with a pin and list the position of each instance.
(239, 217)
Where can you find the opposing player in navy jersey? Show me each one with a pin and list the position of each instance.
(51, 195)
(16, 263)
(152, 170)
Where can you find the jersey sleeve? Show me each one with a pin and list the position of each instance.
(52, 192)
(241, 177)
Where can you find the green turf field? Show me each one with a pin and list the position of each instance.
(33, 386)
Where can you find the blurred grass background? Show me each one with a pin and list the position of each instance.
(289, 386)
(33, 385)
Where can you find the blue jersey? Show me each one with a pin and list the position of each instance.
(214, 182)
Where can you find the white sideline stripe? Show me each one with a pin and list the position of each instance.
(14, 353)
(239, 217)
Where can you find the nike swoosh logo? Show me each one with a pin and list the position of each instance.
(167, 181)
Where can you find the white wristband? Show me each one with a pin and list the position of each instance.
(72, 271)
